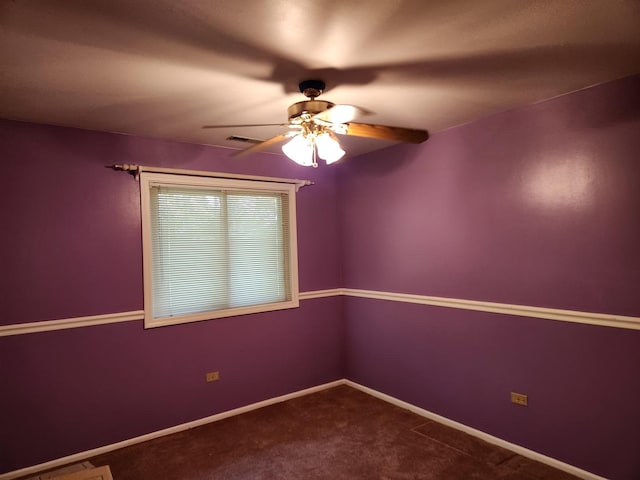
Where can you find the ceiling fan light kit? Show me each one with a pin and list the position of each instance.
(314, 124)
(304, 149)
(300, 149)
(329, 148)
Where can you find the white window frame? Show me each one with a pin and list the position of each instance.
(148, 179)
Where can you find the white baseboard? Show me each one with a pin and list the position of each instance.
(525, 452)
(167, 431)
(254, 406)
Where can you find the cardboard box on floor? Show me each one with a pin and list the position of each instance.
(98, 473)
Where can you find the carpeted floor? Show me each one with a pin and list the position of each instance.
(339, 433)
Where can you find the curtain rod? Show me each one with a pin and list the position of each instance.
(138, 169)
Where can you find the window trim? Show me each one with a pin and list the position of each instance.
(149, 179)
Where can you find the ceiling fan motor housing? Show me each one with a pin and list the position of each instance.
(311, 107)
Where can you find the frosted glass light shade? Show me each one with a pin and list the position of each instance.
(300, 150)
(328, 148)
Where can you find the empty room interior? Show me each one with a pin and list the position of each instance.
(307, 240)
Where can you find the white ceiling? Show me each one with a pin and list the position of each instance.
(165, 68)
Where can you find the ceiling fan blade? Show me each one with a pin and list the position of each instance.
(262, 145)
(382, 132)
(247, 125)
(341, 113)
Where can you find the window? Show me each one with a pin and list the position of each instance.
(216, 247)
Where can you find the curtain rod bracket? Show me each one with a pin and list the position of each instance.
(127, 167)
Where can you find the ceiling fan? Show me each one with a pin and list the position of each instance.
(313, 125)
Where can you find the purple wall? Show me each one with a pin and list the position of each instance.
(71, 246)
(75, 244)
(538, 206)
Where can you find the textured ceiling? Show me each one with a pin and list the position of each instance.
(165, 68)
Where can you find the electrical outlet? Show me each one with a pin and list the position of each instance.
(519, 399)
(213, 376)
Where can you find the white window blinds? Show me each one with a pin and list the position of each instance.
(217, 248)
